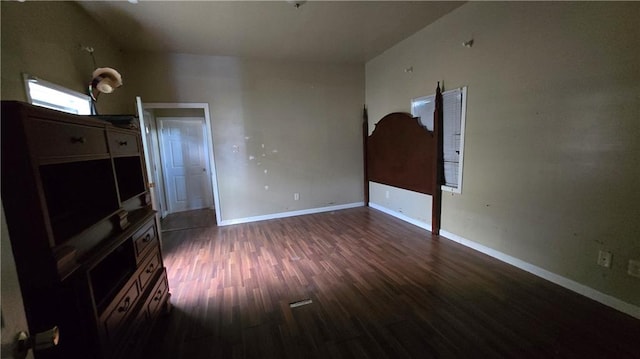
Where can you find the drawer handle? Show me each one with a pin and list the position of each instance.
(151, 268)
(125, 306)
(147, 238)
(78, 140)
(158, 295)
(122, 143)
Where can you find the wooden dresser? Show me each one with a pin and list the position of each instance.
(85, 239)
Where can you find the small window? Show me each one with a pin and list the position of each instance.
(49, 95)
(454, 110)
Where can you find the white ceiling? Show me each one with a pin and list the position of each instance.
(331, 31)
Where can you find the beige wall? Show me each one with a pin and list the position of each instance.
(552, 164)
(44, 40)
(307, 116)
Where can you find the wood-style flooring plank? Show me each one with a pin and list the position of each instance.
(379, 288)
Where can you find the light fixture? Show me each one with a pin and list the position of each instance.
(103, 80)
(106, 79)
(467, 43)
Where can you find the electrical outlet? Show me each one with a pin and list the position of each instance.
(604, 259)
(634, 268)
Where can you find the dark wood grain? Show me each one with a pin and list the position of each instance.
(380, 288)
(365, 135)
(400, 153)
(438, 163)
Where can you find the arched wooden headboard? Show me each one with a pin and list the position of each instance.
(401, 152)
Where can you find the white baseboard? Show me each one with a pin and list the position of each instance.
(229, 222)
(567, 283)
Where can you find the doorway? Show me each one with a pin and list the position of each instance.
(185, 163)
(187, 128)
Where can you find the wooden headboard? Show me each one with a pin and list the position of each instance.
(402, 153)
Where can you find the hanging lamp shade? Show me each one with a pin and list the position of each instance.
(106, 79)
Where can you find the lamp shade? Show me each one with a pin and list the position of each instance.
(106, 79)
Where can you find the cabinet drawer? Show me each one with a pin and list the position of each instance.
(144, 238)
(151, 265)
(59, 139)
(114, 320)
(123, 143)
(157, 295)
(133, 342)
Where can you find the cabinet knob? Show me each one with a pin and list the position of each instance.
(78, 140)
(150, 269)
(122, 143)
(147, 238)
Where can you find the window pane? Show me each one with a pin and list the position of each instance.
(452, 131)
(46, 94)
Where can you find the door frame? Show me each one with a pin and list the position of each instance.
(208, 137)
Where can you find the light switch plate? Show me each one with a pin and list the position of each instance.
(604, 259)
(634, 268)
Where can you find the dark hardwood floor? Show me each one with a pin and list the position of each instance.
(379, 288)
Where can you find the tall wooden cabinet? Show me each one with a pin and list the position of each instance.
(85, 238)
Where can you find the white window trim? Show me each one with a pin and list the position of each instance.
(463, 115)
(28, 79)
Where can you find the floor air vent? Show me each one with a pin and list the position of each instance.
(300, 303)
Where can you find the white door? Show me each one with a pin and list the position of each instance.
(155, 183)
(185, 163)
(148, 155)
(14, 319)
